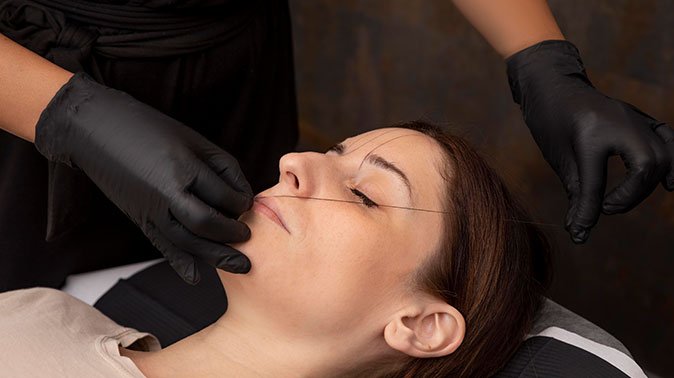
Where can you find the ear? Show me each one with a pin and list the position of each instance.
(429, 329)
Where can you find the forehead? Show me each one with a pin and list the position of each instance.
(418, 155)
(403, 144)
(391, 138)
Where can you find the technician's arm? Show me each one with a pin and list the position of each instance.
(181, 190)
(511, 25)
(576, 127)
(28, 83)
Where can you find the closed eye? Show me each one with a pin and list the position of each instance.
(365, 199)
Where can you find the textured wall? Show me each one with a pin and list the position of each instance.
(364, 64)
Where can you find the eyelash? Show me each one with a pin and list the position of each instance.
(366, 201)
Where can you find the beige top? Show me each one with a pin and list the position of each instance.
(48, 333)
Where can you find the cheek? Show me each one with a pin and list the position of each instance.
(330, 277)
(350, 273)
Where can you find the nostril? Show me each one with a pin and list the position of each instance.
(293, 179)
(297, 182)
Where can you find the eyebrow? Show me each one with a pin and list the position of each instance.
(379, 161)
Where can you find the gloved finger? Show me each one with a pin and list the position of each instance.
(217, 255)
(646, 166)
(667, 135)
(211, 189)
(206, 222)
(180, 261)
(592, 180)
(227, 167)
(567, 170)
(185, 266)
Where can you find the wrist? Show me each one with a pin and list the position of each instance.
(545, 61)
(514, 47)
(53, 134)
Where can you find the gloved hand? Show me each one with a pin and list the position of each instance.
(169, 180)
(578, 128)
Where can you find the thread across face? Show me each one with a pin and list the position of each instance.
(324, 266)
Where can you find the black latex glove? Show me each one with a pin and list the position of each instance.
(178, 187)
(578, 128)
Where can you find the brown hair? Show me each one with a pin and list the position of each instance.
(493, 267)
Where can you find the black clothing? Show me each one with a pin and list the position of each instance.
(223, 68)
(543, 356)
(156, 300)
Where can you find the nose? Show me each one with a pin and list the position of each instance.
(298, 172)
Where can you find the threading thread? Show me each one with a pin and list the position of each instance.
(398, 207)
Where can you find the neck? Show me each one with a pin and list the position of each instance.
(232, 347)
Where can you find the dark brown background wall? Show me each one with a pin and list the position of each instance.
(365, 64)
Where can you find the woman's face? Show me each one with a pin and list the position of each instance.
(323, 266)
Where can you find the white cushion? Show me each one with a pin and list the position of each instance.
(90, 286)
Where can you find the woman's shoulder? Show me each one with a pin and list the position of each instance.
(55, 313)
(41, 304)
(49, 332)
(23, 297)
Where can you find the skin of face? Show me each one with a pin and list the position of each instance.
(333, 268)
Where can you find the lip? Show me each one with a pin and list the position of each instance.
(268, 208)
